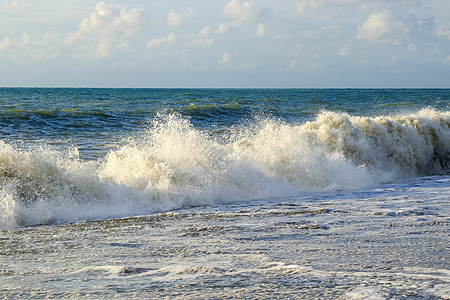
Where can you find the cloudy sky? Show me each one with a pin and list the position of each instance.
(225, 43)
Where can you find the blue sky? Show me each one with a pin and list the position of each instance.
(229, 43)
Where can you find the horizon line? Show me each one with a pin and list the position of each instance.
(181, 87)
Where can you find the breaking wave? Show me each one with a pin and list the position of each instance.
(172, 165)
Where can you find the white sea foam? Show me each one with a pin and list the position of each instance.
(173, 165)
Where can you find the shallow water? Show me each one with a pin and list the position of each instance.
(387, 242)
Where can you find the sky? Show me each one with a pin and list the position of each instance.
(225, 43)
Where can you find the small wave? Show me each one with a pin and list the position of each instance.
(173, 165)
(113, 270)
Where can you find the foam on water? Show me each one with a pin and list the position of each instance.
(173, 165)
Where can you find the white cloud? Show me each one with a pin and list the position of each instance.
(203, 42)
(177, 19)
(201, 38)
(170, 39)
(237, 11)
(222, 28)
(23, 42)
(123, 46)
(226, 58)
(260, 30)
(108, 21)
(396, 26)
(106, 48)
(25, 39)
(317, 67)
(189, 11)
(333, 28)
(305, 5)
(280, 36)
(106, 28)
(375, 27)
(45, 46)
(344, 50)
(15, 6)
(6, 43)
(205, 31)
(444, 31)
(103, 48)
(174, 18)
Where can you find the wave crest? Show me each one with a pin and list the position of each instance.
(173, 164)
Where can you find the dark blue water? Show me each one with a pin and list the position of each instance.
(93, 120)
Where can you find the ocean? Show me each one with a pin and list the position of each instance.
(224, 193)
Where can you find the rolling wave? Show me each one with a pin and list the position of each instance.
(172, 165)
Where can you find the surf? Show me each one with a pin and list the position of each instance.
(172, 164)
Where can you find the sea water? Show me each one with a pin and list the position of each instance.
(224, 193)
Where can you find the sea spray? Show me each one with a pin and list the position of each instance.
(408, 145)
(181, 164)
(43, 186)
(172, 164)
